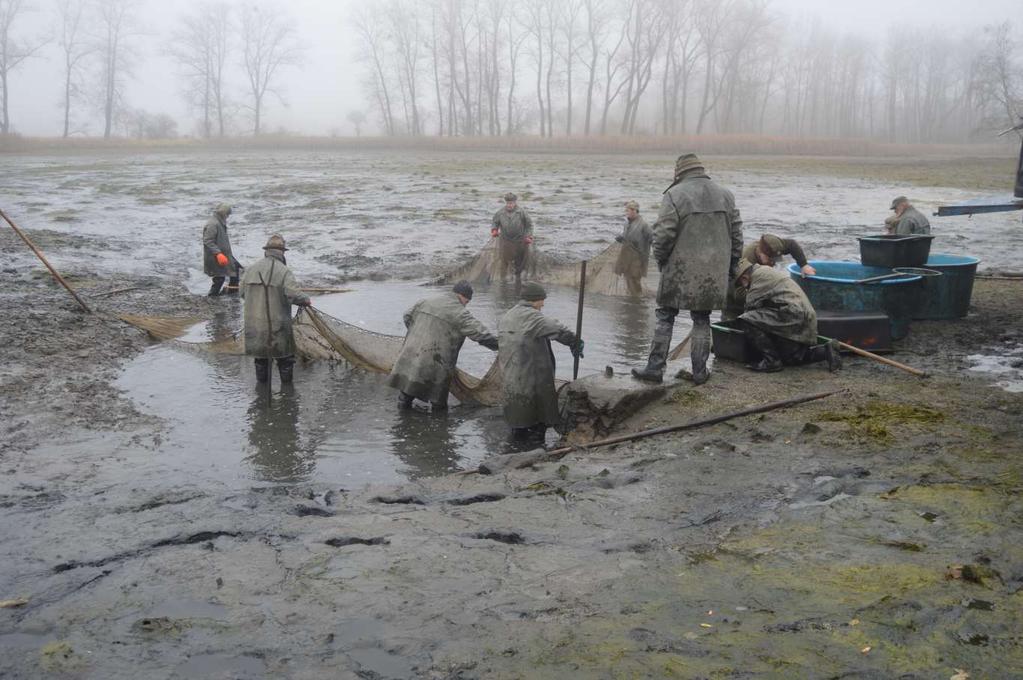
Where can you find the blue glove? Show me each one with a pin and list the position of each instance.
(577, 348)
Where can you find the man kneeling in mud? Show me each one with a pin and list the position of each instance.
(513, 228)
(779, 321)
(527, 364)
(437, 327)
(269, 289)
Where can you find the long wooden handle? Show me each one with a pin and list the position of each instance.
(881, 359)
(56, 275)
(579, 317)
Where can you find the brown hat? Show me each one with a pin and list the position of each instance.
(275, 242)
(633, 205)
(686, 162)
(897, 200)
(772, 244)
(510, 197)
(532, 291)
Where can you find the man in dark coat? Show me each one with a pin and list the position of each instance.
(634, 257)
(527, 363)
(513, 228)
(766, 251)
(217, 260)
(697, 242)
(779, 320)
(437, 327)
(908, 220)
(269, 289)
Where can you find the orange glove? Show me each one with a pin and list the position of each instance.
(494, 231)
(528, 240)
(222, 259)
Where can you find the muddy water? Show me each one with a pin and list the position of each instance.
(408, 214)
(338, 425)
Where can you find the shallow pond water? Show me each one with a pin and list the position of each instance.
(340, 425)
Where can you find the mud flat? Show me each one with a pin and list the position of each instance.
(875, 533)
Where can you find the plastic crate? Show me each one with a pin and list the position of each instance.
(892, 250)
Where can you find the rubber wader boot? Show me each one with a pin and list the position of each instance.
(659, 347)
(828, 353)
(699, 350)
(770, 361)
(232, 286)
(286, 367)
(262, 370)
(438, 406)
(215, 285)
(404, 401)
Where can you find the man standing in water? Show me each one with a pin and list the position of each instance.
(437, 327)
(514, 228)
(908, 220)
(527, 364)
(634, 257)
(269, 289)
(697, 243)
(218, 262)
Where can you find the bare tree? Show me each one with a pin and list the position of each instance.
(268, 44)
(370, 33)
(569, 24)
(12, 53)
(74, 49)
(357, 119)
(116, 22)
(999, 77)
(200, 46)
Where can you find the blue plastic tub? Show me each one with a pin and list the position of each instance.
(834, 288)
(948, 296)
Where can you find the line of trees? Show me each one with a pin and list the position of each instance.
(230, 59)
(628, 67)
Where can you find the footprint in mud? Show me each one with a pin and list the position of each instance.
(827, 489)
(509, 537)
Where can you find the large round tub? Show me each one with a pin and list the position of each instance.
(834, 288)
(947, 296)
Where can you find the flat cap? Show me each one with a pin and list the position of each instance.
(510, 197)
(743, 267)
(464, 289)
(897, 200)
(532, 291)
(772, 244)
(633, 205)
(275, 242)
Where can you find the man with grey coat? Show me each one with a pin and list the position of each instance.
(437, 327)
(527, 364)
(634, 257)
(269, 289)
(908, 220)
(697, 243)
(218, 261)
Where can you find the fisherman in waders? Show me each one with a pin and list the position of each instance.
(634, 257)
(513, 228)
(766, 251)
(270, 289)
(527, 364)
(907, 220)
(218, 262)
(697, 243)
(437, 327)
(779, 321)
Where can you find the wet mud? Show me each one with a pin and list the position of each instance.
(159, 525)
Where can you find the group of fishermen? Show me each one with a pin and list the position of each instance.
(697, 243)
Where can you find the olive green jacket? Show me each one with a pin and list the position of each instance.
(515, 225)
(437, 327)
(215, 239)
(697, 242)
(912, 222)
(527, 365)
(270, 289)
(776, 304)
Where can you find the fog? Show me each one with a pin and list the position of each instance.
(316, 94)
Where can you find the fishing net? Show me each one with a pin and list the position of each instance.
(600, 270)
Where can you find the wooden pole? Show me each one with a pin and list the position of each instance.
(884, 360)
(60, 279)
(579, 316)
(557, 454)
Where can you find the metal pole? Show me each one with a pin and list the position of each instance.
(53, 271)
(579, 317)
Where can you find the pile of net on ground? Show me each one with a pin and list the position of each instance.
(600, 270)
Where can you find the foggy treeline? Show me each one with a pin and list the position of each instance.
(529, 67)
(669, 67)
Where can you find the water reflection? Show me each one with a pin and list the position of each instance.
(275, 441)
(631, 327)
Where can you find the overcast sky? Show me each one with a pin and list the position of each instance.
(320, 93)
